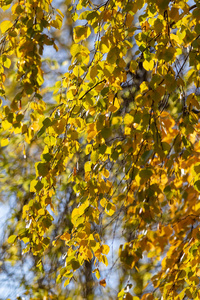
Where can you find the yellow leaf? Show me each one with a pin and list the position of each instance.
(66, 236)
(4, 142)
(198, 272)
(112, 108)
(25, 240)
(75, 49)
(176, 38)
(12, 239)
(5, 25)
(81, 33)
(91, 132)
(94, 156)
(97, 273)
(105, 249)
(55, 47)
(41, 212)
(58, 10)
(148, 65)
(105, 260)
(87, 166)
(116, 120)
(88, 149)
(133, 66)
(144, 87)
(110, 209)
(103, 202)
(57, 23)
(78, 71)
(104, 45)
(93, 72)
(7, 63)
(145, 26)
(32, 186)
(105, 173)
(128, 119)
(5, 7)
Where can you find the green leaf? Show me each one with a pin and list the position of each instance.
(146, 173)
(42, 168)
(102, 149)
(75, 264)
(197, 185)
(196, 168)
(146, 155)
(106, 132)
(47, 122)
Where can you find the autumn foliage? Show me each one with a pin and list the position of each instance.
(100, 148)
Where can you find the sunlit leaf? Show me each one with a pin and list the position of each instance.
(5, 25)
(12, 239)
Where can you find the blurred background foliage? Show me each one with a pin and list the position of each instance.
(23, 274)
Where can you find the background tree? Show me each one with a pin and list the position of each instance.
(100, 149)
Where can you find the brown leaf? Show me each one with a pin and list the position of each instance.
(102, 282)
